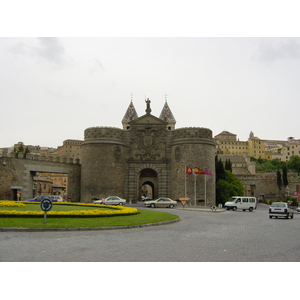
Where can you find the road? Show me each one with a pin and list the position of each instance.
(230, 236)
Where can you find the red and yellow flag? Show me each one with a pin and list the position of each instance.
(188, 170)
(198, 171)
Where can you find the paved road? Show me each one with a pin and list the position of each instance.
(199, 237)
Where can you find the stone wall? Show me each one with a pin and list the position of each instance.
(17, 173)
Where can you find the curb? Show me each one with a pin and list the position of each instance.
(202, 210)
(7, 229)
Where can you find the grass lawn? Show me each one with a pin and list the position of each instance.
(144, 217)
(55, 207)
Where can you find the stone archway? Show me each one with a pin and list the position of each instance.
(148, 184)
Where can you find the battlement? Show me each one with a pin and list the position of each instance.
(47, 158)
(192, 133)
(103, 133)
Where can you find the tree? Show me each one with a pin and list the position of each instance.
(294, 163)
(284, 176)
(227, 187)
(279, 181)
(228, 165)
(19, 150)
(220, 171)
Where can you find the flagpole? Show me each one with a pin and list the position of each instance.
(195, 189)
(185, 182)
(205, 188)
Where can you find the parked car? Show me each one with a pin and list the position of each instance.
(57, 198)
(40, 198)
(280, 209)
(298, 209)
(161, 202)
(111, 200)
(146, 198)
(97, 201)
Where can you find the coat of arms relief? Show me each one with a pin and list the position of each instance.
(148, 143)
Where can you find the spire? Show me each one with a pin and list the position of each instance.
(167, 115)
(129, 115)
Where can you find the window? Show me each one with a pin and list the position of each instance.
(245, 200)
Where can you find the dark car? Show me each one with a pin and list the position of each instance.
(40, 198)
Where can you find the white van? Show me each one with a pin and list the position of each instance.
(241, 202)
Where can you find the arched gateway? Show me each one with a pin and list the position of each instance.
(147, 157)
(148, 184)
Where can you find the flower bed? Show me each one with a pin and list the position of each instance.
(9, 203)
(110, 212)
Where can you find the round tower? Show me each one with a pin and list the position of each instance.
(102, 163)
(193, 148)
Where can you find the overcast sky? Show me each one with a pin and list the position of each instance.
(52, 89)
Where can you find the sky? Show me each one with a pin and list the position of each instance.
(54, 87)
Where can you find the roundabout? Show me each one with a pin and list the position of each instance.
(27, 216)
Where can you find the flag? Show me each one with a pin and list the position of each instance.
(198, 171)
(207, 172)
(188, 170)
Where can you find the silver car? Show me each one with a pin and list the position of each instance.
(161, 202)
(111, 200)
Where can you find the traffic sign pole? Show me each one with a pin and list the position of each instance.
(46, 205)
(45, 217)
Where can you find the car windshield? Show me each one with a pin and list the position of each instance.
(278, 205)
(235, 199)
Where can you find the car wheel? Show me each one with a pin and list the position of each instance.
(270, 217)
(287, 216)
(152, 205)
(250, 208)
(234, 208)
(292, 216)
(120, 203)
(171, 205)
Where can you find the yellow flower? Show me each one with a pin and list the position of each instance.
(114, 210)
(9, 203)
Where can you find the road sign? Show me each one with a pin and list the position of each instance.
(295, 194)
(46, 205)
(183, 201)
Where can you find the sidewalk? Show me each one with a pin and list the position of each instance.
(200, 208)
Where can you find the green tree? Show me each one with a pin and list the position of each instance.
(228, 165)
(284, 175)
(220, 171)
(279, 181)
(294, 163)
(19, 150)
(228, 187)
(277, 163)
